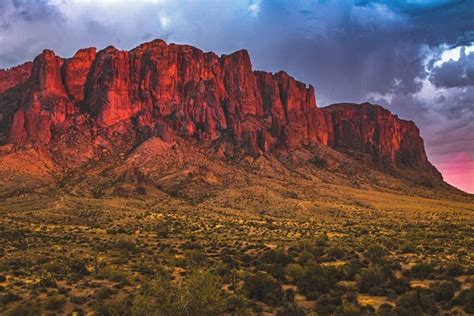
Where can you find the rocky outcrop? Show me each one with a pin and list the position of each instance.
(14, 76)
(373, 130)
(173, 90)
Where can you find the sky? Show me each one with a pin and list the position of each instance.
(415, 57)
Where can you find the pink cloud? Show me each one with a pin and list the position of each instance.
(457, 170)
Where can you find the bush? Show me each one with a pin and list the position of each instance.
(328, 304)
(466, 300)
(9, 298)
(262, 287)
(416, 302)
(104, 293)
(408, 247)
(444, 291)
(386, 310)
(114, 275)
(316, 280)
(113, 308)
(78, 267)
(336, 252)
(126, 245)
(55, 302)
(370, 278)
(275, 257)
(375, 253)
(454, 269)
(47, 283)
(201, 294)
(421, 270)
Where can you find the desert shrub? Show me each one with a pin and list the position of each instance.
(47, 282)
(54, 302)
(104, 293)
(126, 245)
(56, 268)
(348, 309)
(237, 304)
(113, 308)
(196, 257)
(262, 287)
(416, 302)
(290, 308)
(443, 291)
(206, 295)
(294, 271)
(78, 267)
(399, 285)
(421, 270)
(163, 231)
(370, 278)
(115, 275)
(201, 294)
(466, 299)
(408, 247)
(336, 252)
(375, 253)
(386, 310)
(352, 268)
(276, 256)
(316, 280)
(454, 269)
(24, 309)
(9, 298)
(327, 304)
(274, 262)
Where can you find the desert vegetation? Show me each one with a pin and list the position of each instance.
(125, 256)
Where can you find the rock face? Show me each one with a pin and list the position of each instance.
(371, 129)
(173, 90)
(9, 78)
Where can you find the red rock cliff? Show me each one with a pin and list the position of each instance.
(373, 130)
(166, 90)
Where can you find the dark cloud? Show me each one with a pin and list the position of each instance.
(453, 73)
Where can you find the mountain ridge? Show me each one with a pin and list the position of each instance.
(80, 107)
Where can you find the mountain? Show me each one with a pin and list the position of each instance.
(172, 117)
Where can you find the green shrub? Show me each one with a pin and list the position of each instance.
(454, 269)
(370, 278)
(408, 247)
(104, 293)
(466, 300)
(375, 253)
(78, 267)
(416, 302)
(444, 291)
(421, 270)
(113, 308)
(201, 294)
(336, 252)
(262, 287)
(55, 302)
(316, 280)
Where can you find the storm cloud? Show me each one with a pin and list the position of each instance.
(414, 57)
